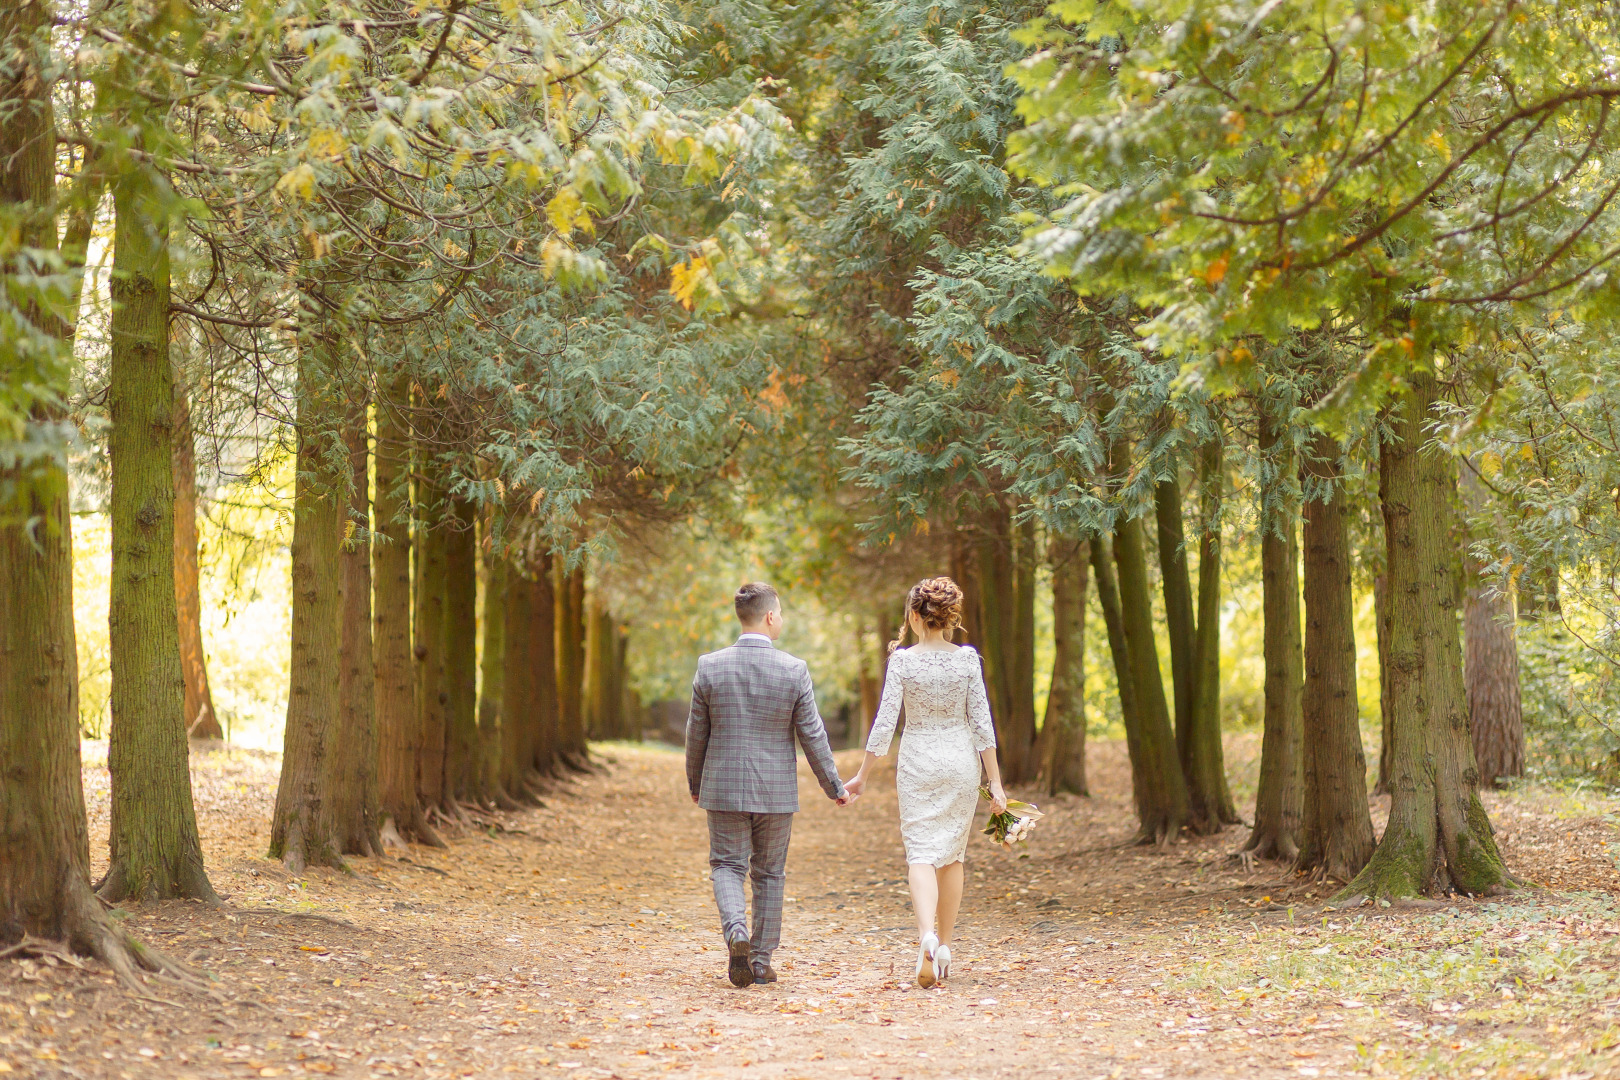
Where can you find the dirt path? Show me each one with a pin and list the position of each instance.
(580, 940)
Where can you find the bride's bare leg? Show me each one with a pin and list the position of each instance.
(949, 880)
(925, 896)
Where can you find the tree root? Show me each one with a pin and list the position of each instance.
(503, 801)
(40, 948)
(1271, 845)
(1161, 834)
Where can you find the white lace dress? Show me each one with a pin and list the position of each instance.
(947, 724)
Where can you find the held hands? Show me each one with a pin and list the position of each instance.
(853, 789)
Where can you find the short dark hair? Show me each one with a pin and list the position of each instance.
(753, 600)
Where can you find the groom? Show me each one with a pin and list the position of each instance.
(748, 701)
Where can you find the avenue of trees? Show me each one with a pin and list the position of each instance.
(1049, 297)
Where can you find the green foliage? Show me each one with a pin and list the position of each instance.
(1253, 169)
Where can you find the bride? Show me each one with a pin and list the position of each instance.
(948, 734)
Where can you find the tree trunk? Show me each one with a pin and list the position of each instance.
(519, 709)
(1161, 790)
(399, 726)
(155, 852)
(600, 720)
(965, 572)
(1279, 800)
(461, 652)
(428, 596)
(1386, 708)
(570, 662)
(1490, 665)
(869, 683)
(1203, 759)
(1438, 836)
(1005, 560)
(356, 806)
(624, 700)
(1027, 557)
(1337, 834)
(492, 671)
(201, 723)
(995, 611)
(44, 838)
(1063, 730)
(545, 708)
(1102, 568)
(1178, 612)
(303, 831)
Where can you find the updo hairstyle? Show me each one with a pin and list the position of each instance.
(937, 602)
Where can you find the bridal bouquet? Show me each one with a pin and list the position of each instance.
(1014, 824)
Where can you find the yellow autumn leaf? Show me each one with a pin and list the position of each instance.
(298, 180)
(327, 143)
(567, 212)
(685, 279)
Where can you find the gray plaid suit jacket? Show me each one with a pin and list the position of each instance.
(748, 701)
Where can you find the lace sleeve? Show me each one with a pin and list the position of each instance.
(980, 723)
(888, 713)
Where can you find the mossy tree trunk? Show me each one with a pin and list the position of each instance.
(1336, 837)
(545, 746)
(1438, 837)
(570, 663)
(606, 717)
(1063, 729)
(460, 651)
(492, 670)
(399, 730)
(1203, 759)
(1005, 559)
(1386, 708)
(428, 595)
(303, 831)
(599, 715)
(44, 837)
(1021, 728)
(1102, 569)
(1160, 789)
(625, 700)
(153, 844)
(1279, 799)
(201, 722)
(518, 706)
(1490, 664)
(356, 809)
(1179, 624)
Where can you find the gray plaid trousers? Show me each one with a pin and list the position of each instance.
(755, 846)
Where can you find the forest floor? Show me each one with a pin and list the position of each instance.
(580, 940)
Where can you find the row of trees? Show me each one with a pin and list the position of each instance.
(514, 287)
(1317, 267)
(409, 251)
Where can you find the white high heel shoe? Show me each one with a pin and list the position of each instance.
(925, 960)
(942, 963)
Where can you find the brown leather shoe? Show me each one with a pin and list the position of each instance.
(764, 973)
(738, 970)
